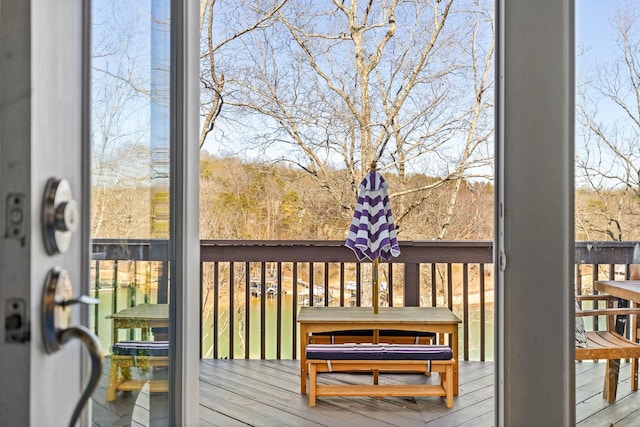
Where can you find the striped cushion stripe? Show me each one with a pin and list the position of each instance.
(378, 352)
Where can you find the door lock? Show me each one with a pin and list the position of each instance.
(56, 317)
(60, 216)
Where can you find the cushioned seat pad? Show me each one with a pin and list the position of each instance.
(141, 348)
(378, 352)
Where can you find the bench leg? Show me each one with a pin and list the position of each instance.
(447, 383)
(313, 382)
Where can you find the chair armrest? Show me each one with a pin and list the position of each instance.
(598, 297)
(608, 312)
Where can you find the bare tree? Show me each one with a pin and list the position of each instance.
(120, 121)
(222, 23)
(608, 160)
(342, 83)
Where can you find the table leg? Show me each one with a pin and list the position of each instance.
(304, 339)
(454, 348)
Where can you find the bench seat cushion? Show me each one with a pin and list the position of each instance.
(378, 352)
(141, 348)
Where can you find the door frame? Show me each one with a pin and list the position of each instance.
(534, 216)
(184, 294)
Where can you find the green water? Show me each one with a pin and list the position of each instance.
(287, 331)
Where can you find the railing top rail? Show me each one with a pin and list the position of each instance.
(335, 251)
(412, 251)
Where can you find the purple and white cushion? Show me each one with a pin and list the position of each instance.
(378, 352)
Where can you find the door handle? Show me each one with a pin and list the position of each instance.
(56, 316)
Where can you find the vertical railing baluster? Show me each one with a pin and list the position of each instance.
(216, 307)
(294, 312)
(114, 296)
(358, 284)
(326, 284)
(434, 285)
(483, 310)
(311, 285)
(263, 309)
(578, 279)
(163, 283)
(595, 273)
(449, 287)
(342, 284)
(247, 309)
(232, 308)
(279, 311)
(147, 281)
(390, 285)
(202, 305)
(465, 308)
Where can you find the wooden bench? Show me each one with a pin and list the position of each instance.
(140, 354)
(385, 358)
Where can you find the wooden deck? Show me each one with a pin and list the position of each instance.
(266, 393)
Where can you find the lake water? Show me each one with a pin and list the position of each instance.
(125, 296)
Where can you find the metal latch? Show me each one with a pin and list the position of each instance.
(16, 326)
(15, 217)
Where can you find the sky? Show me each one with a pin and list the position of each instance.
(593, 33)
(593, 25)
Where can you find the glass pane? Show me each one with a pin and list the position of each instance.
(298, 99)
(130, 207)
(607, 202)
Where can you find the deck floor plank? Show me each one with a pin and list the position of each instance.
(259, 393)
(267, 391)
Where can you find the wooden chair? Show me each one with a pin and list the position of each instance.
(610, 345)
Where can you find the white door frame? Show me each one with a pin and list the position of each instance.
(41, 136)
(43, 133)
(534, 240)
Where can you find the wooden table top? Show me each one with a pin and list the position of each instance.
(142, 312)
(397, 315)
(625, 289)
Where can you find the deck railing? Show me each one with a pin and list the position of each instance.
(251, 290)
